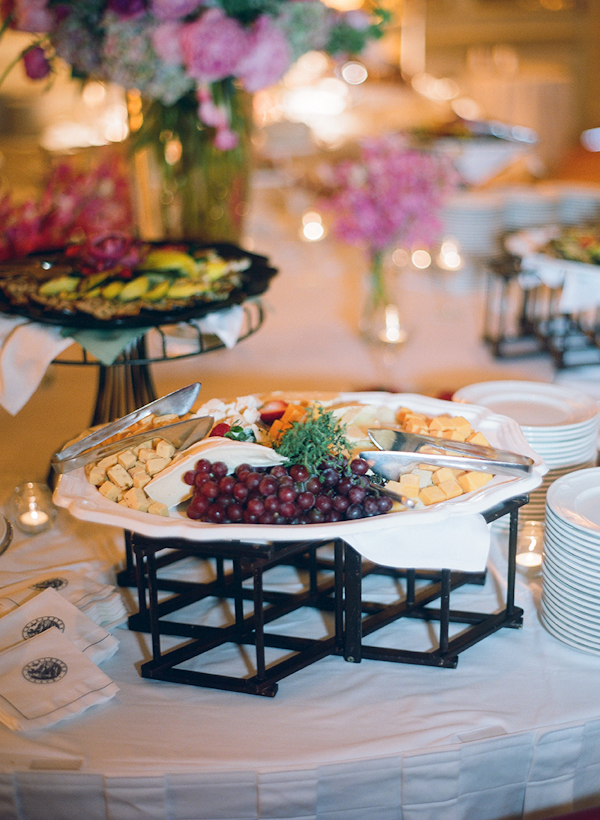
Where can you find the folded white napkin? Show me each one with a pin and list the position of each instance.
(226, 324)
(26, 351)
(459, 542)
(46, 679)
(100, 602)
(49, 609)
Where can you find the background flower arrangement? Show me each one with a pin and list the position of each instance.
(170, 50)
(391, 195)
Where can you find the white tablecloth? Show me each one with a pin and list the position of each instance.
(514, 729)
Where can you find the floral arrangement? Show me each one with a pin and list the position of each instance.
(74, 205)
(169, 49)
(392, 194)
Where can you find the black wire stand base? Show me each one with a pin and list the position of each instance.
(335, 573)
(363, 618)
(249, 561)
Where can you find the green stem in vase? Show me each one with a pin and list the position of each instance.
(193, 189)
(378, 290)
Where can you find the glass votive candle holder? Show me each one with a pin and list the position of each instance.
(530, 547)
(31, 508)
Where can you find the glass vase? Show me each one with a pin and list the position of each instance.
(184, 187)
(380, 322)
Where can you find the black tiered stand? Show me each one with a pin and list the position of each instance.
(334, 585)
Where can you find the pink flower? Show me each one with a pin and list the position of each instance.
(213, 115)
(213, 46)
(268, 58)
(395, 193)
(226, 139)
(165, 39)
(33, 16)
(36, 65)
(174, 9)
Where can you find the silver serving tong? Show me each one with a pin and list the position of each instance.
(399, 452)
(179, 402)
(181, 434)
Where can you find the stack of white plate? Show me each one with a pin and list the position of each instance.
(559, 423)
(579, 204)
(475, 220)
(571, 570)
(528, 207)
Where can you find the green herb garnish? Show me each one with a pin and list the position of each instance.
(317, 440)
(238, 433)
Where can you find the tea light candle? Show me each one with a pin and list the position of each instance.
(529, 559)
(34, 518)
(31, 508)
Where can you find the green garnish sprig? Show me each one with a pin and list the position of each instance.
(318, 440)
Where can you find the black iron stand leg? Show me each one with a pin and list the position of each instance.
(153, 604)
(513, 532)
(238, 600)
(259, 623)
(444, 610)
(338, 592)
(312, 570)
(410, 586)
(352, 605)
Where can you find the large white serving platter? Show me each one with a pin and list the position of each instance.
(83, 500)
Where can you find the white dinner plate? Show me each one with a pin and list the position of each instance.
(83, 500)
(575, 603)
(576, 540)
(567, 639)
(566, 551)
(532, 404)
(568, 577)
(573, 637)
(572, 574)
(576, 499)
(578, 628)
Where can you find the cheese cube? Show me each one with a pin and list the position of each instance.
(455, 435)
(157, 508)
(459, 423)
(96, 475)
(110, 491)
(140, 478)
(155, 465)
(431, 468)
(478, 438)
(107, 462)
(473, 481)
(136, 499)
(146, 453)
(126, 459)
(440, 423)
(451, 488)
(443, 474)
(165, 449)
(431, 495)
(416, 426)
(119, 476)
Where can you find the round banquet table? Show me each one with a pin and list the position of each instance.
(512, 731)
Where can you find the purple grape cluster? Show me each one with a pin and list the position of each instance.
(282, 494)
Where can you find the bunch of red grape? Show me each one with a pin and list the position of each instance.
(283, 494)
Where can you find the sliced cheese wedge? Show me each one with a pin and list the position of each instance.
(168, 486)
